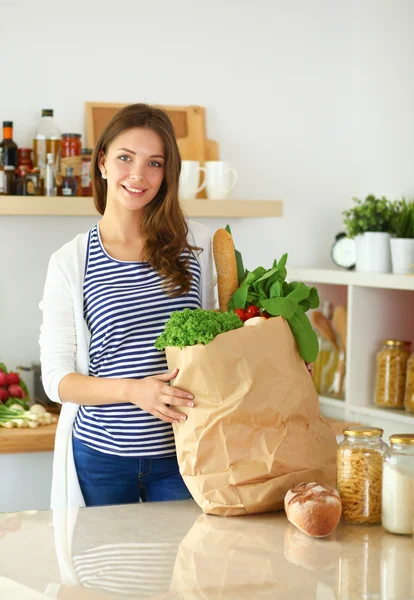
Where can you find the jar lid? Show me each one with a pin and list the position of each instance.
(407, 439)
(71, 135)
(397, 343)
(361, 431)
(7, 123)
(86, 151)
(47, 112)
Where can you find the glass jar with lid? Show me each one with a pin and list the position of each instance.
(359, 474)
(409, 386)
(398, 485)
(391, 373)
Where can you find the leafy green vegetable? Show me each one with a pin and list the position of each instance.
(189, 327)
(267, 289)
(22, 403)
(3, 368)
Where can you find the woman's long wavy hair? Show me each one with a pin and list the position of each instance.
(163, 224)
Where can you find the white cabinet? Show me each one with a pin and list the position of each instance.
(380, 306)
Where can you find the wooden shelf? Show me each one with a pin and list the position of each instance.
(40, 439)
(84, 207)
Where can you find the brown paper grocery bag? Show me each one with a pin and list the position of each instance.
(255, 430)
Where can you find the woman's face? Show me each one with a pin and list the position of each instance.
(134, 167)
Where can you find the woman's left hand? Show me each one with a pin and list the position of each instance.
(309, 366)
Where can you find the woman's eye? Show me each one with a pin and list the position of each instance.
(124, 158)
(155, 163)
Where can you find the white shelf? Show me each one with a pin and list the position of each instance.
(343, 277)
(386, 414)
(84, 207)
(380, 306)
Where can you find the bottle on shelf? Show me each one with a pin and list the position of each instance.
(9, 180)
(50, 180)
(46, 141)
(1, 173)
(9, 146)
(69, 183)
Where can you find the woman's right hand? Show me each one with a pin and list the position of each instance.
(154, 395)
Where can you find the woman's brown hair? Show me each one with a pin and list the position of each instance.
(163, 224)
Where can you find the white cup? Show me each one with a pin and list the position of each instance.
(221, 179)
(190, 178)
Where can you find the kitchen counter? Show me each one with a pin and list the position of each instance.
(171, 550)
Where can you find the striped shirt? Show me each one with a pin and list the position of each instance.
(126, 309)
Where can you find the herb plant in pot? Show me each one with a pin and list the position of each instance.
(369, 222)
(402, 246)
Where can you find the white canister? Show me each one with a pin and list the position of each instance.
(373, 252)
(402, 255)
(398, 485)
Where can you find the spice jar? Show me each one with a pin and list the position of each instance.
(398, 485)
(391, 373)
(70, 148)
(409, 386)
(359, 474)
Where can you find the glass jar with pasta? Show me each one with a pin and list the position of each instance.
(391, 373)
(359, 474)
(409, 386)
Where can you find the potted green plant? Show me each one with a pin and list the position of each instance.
(402, 245)
(369, 223)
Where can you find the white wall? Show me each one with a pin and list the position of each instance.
(311, 101)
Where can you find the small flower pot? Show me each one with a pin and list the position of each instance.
(373, 252)
(402, 255)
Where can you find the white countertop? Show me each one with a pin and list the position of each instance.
(171, 550)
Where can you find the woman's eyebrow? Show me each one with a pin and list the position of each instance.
(132, 152)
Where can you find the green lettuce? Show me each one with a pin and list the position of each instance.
(189, 327)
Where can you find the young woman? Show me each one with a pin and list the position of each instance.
(107, 297)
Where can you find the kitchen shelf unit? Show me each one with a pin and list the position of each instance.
(380, 306)
(84, 207)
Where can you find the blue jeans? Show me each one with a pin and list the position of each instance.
(109, 479)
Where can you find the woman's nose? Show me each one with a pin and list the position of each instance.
(137, 171)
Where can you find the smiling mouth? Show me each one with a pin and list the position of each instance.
(134, 191)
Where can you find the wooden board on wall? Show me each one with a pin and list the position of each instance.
(189, 124)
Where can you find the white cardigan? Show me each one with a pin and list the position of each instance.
(64, 344)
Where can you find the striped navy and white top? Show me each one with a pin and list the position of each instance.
(126, 310)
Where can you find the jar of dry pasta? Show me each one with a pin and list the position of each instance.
(409, 386)
(359, 474)
(391, 373)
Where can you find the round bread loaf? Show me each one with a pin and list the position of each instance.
(313, 508)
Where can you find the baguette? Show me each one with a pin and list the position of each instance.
(226, 266)
(313, 508)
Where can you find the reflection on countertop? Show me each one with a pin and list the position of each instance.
(171, 550)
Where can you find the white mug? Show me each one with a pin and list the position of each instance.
(190, 178)
(221, 179)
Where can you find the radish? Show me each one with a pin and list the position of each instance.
(4, 395)
(13, 378)
(15, 391)
(3, 379)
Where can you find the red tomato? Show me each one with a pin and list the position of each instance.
(241, 314)
(252, 311)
